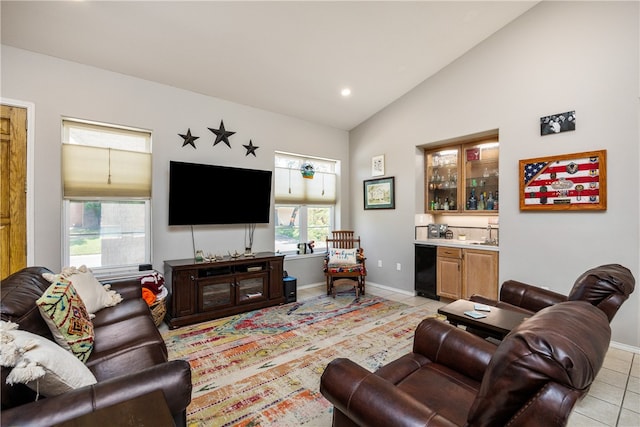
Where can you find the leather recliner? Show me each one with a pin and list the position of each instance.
(606, 287)
(533, 377)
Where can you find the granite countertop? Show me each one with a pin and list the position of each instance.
(466, 244)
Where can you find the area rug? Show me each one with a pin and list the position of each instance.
(263, 368)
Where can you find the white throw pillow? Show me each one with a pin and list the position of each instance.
(41, 364)
(342, 256)
(95, 295)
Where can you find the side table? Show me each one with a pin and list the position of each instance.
(498, 323)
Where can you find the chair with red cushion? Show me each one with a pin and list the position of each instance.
(345, 261)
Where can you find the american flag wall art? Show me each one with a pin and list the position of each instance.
(564, 182)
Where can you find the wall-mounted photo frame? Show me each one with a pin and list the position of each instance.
(556, 123)
(379, 193)
(565, 182)
(377, 165)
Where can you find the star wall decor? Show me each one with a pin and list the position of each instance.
(222, 135)
(189, 139)
(251, 149)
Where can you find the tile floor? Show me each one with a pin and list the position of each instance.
(614, 398)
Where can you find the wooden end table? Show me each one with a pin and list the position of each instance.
(498, 323)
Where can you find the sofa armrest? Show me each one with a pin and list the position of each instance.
(368, 399)
(529, 297)
(453, 347)
(129, 288)
(173, 378)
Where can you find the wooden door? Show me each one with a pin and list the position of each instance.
(13, 186)
(480, 273)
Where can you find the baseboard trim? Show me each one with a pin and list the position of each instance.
(625, 347)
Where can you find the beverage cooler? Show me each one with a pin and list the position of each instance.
(425, 271)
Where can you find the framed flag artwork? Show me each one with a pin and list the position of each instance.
(566, 182)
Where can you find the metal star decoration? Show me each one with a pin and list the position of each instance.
(189, 139)
(221, 135)
(251, 149)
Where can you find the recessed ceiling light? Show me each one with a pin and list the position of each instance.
(345, 92)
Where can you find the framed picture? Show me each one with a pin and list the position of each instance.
(556, 123)
(377, 165)
(564, 182)
(379, 193)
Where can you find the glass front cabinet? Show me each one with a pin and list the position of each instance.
(463, 178)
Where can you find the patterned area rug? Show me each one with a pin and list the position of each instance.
(263, 368)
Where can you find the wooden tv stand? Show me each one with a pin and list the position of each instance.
(201, 291)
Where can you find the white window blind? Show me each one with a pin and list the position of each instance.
(292, 188)
(92, 167)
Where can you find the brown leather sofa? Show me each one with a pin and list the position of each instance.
(454, 378)
(129, 358)
(606, 287)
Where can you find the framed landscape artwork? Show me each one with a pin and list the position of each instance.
(565, 182)
(379, 193)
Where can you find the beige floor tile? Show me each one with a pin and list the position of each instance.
(634, 384)
(629, 419)
(618, 365)
(614, 378)
(578, 420)
(607, 392)
(631, 401)
(616, 353)
(598, 410)
(635, 367)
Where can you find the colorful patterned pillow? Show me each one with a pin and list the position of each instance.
(67, 318)
(342, 257)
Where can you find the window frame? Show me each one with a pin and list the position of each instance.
(107, 270)
(303, 216)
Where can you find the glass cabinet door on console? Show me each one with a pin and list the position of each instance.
(215, 293)
(481, 174)
(251, 287)
(441, 178)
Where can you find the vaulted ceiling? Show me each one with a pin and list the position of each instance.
(289, 57)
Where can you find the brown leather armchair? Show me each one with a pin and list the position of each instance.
(454, 378)
(606, 287)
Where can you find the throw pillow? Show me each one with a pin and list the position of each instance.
(67, 318)
(94, 295)
(42, 365)
(342, 256)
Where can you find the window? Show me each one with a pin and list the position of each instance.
(305, 197)
(106, 173)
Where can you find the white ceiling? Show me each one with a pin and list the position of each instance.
(290, 57)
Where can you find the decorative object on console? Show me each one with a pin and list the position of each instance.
(556, 123)
(222, 135)
(188, 138)
(251, 149)
(564, 182)
(379, 193)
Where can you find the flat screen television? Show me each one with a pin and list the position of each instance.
(208, 194)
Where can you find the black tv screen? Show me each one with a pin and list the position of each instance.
(209, 194)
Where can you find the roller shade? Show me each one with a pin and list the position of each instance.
(105, 172)
(292, 188)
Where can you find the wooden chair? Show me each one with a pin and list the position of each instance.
(345, 261)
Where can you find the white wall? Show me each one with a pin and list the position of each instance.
(59, 88)
(557, 57)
